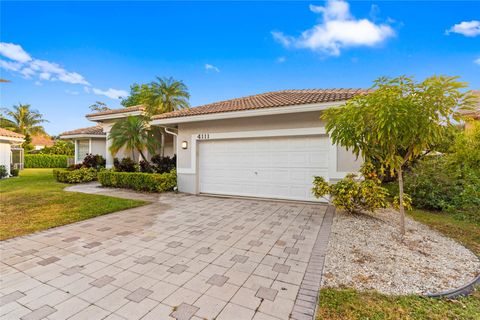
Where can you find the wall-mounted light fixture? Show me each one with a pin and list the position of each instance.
(184, 144)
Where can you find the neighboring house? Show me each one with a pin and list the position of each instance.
(267, 145)
(41, 141)
(8, 140)
(87, 140)
(472, 116)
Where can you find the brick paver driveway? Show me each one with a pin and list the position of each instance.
(182, 257)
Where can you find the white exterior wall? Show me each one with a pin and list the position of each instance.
(5, 155)
(305, 123)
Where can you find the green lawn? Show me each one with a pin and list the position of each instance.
(461, 227)
(349, 304)
(35, 201)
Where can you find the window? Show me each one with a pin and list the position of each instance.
(83, 146)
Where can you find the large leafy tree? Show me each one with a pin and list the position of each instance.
(133, 133)
(22, 119)
(159, 96)
(397, 121)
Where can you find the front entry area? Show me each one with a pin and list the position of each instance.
(273, 167)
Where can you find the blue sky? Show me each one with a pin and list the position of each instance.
(61, 57)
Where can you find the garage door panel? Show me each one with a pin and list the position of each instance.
(263, 167)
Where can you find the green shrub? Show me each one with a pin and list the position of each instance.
(353, 194)
(3, 172)
(438, 183)
(45, 161)
(139, 181)
(76, 176)
(14, 172)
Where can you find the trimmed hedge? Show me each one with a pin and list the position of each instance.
(75, 176)
(139, 181)
(45, 161)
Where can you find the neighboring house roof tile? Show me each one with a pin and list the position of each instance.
(95, 130)
(475, 113)
(42, 140)
(268, 100)
(115, 111)
(10, 134)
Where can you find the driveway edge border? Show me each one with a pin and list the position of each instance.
(305, 306)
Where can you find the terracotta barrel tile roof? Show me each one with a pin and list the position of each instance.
(115, 111)
(95, 130)
(10, 134)
(475, 112)
(42, 140)
(268, 100)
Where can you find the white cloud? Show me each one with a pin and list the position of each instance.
(467, 28)
(111, 93)
(29, 67)
(338, 29)
(74, 93)
(281, 59)
(211, 67)
(10, 65)
(14, 52)
(477, 61)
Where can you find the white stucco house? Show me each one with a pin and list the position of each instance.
(268, 145)
(8, 140)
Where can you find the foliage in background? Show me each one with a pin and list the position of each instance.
(160, 96)
(45, 161)
(59, 147)
(134, 134)
(398, 121)
(352, 193)
(75, 176)
(22, 119)
(98, 106)
(139, 181)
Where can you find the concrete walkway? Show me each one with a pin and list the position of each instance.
(180, 257)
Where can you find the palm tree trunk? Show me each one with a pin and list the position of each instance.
(402, 209)
(162, 146)
(141, 153)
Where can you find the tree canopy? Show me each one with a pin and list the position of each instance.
(22, 119)
(134, 134)
(162, 95)
(398, 120)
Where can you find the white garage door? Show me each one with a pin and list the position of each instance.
(281, 168)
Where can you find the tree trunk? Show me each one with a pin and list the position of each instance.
(141, 154)
(402, 209)
(162, 147)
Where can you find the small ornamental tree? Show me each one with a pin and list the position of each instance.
(398, 121)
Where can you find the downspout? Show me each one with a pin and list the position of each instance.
(176, 147)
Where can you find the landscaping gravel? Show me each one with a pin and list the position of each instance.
(365, 252)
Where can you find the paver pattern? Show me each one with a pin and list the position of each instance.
(181, 257)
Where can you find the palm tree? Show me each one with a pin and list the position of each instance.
(22, 119)
(133, 133)
(165, 95)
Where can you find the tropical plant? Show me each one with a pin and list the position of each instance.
(398, 121)
(160, 96)
(60, 147)
(133, 133)
(352, 194)
(22, 119)
(98, 106)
